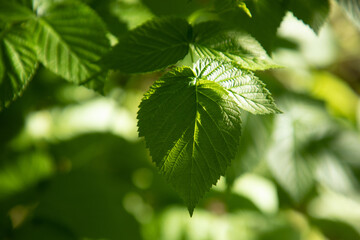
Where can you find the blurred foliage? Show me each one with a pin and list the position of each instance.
(72, 166)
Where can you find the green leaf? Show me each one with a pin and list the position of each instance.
(313, 13)
(266, 18)
(290, 167)
(297, 136)
(152, 46)
(190, 119)
(336, 229)
(245, 88)
(11, 11)
(17, 63)
(352, 8)
(173, 7)
(212, 39)
(70, 39)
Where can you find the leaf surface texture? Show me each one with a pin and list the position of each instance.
(190, 119)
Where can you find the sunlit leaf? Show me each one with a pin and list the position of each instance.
(70, 38)
(18, 63)
(245, 88)
(297, 136)
(212, 39)
(190, 119)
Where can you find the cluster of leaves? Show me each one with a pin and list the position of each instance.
(190, 117)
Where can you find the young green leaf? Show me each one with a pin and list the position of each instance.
(152, 46)
(70, 38)
(18, 63)
(190, 119)
(213, 40)
(313, 13)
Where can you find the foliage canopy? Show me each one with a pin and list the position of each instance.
(206, 63)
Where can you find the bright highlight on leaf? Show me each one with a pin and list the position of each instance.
(190, 119)
(243, 6)
(213, 40)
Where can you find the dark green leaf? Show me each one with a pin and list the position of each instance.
(335, 229)
(70, 38)
(173, 7)
(266, 18)
(85, 204)
(11, 11)
(152, 46)
(17, 63)
(212, 39)
(190, 119)
(311, 12)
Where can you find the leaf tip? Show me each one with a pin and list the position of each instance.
(191, 210)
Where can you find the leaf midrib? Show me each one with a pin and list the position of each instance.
(194, 135)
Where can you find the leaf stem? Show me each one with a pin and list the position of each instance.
(191, 55)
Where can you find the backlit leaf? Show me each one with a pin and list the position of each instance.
(17, 63)
(70, 38)
(190, 119)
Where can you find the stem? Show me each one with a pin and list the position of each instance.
(191, 55)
